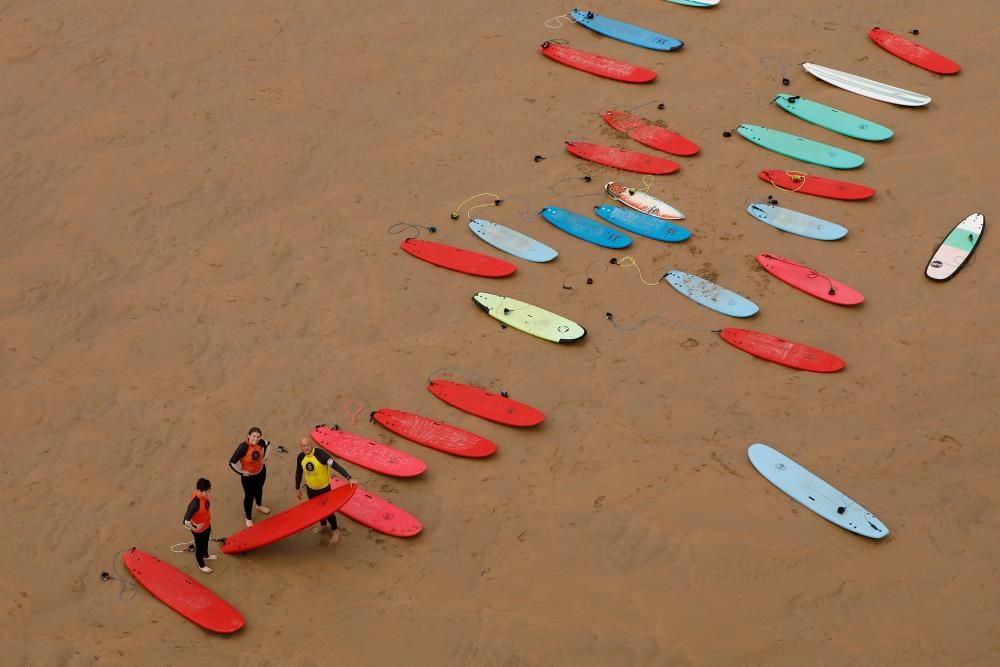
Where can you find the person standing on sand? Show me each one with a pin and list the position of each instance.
(198, 519)
(249, 461)
(314, 463)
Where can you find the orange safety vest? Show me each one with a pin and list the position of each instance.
(253, 461)
(203, 515)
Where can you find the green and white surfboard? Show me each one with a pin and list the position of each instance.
(953, 252)
(832, 119)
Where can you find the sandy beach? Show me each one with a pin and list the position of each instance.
(196, 206)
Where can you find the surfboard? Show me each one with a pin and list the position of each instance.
(810, 281)
(181, 593)
(807, 184)
(832, 119)
(434, 434)
(377, 513)
(292, 520)
(781, 351)
(710, 295)
(913, 53)
(814, 493)
(695, 3)
(642, 201)
(800, 148)
(642, 224)
(585, 228)
(609, 68)
(626, 32)
(367, 453)
(651, 135)
(457, 259)
(530, 319)
(618, 158)
(957, 247)
(485, 404)
(866, 87)
(512, 241)
(795, 222)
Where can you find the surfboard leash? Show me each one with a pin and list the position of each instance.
(128, 588)
(586, 271)
(586, 179)
(796, 176)
(630, 263)
(559, 21)
(401, 227)
(465, 375)
(497, 200)
(813, 273)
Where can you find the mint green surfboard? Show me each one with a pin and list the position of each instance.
(832, 119)
(806, 150)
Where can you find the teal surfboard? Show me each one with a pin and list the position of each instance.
(794, 222)
(710, 295)
(585, 228)
(832, 119)
(695, 3)
(806, 150)
(626, 32)
(640, 223)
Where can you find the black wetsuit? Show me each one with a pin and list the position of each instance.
(253, 485)
(200, 538)
(327, 458)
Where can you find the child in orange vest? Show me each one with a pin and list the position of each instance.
(198, 518)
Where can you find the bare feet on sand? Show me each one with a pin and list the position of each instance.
(263, 510)
(335, 536)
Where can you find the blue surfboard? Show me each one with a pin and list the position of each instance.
(710, 295)
(640, 223)
(585, 228)
(512, 241)
(626, 32)
(794, 222)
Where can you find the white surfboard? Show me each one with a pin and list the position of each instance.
(814, 493)
(866, 87)
(642, 201)
(512, 241)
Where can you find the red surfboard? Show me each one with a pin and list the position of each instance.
(651, 135)
(378, 513)
(592, 63)
(808, 280)
(181, 593)
(796, 181)
(434, 434)
(913, 53)
(781, 351)
(484, 404)
(457, 259)
(368, 453)
(640, 163)
(289, 522)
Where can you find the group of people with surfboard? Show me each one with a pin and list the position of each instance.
(249, 461)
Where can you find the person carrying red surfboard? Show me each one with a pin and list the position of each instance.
(198, 519)
(314, 464)
(249, 461)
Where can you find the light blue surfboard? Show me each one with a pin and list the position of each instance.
(832, 119)
(799, 148)
(815, 493)
(626, 32)
(585, 228)
(512, 241)
(710, 295)
(640, 223)
(695, 3)
(794, 222)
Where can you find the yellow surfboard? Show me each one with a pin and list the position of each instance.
(530, 319)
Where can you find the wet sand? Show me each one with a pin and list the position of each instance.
(195, 203)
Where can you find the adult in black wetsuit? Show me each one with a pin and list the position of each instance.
(249, 461)
(314, 464)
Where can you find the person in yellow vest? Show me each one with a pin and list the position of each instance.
(249, 461)
(198, 518)
(313, 464)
